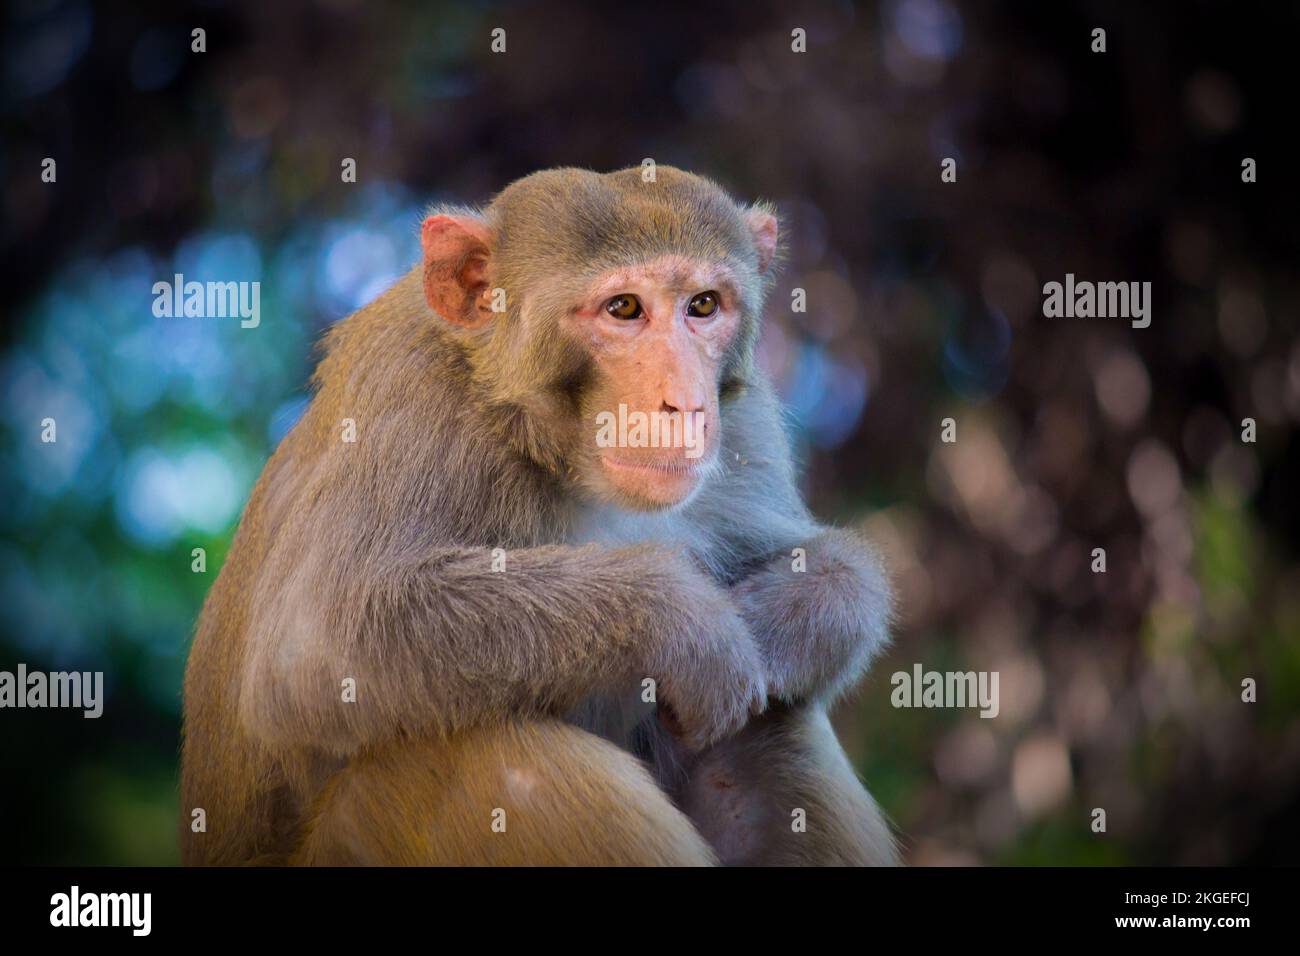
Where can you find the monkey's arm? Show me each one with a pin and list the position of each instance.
(820, 614)
(438, 640)
(816, 599)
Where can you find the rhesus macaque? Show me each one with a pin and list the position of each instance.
(482, 632)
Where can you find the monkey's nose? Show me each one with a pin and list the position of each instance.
(694, 420)
(683, 405)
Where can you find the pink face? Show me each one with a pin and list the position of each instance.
(658, 332)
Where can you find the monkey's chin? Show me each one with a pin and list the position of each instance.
(644, 484)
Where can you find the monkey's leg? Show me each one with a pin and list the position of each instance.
(744, 795)
(540, 793)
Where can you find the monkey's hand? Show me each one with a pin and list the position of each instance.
(819, 618)
(709, 671)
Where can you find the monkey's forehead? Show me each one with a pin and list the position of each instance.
(617, 218)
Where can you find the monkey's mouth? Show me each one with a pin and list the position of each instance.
(654, 482)
(668, 468)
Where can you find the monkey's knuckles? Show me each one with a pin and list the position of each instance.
(807, 625)
(715, 682)
(722, 702)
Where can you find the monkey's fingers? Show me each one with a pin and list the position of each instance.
(692, 741)
(668, 717)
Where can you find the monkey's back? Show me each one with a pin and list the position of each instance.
(254, 798)
(242, 789)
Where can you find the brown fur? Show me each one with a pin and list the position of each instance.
(372, 561)
(568, 798)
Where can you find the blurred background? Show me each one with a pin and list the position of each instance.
(1119, 690)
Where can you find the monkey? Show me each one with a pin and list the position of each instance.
(478, 634)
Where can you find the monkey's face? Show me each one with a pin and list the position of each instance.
(612, 310)
(656, 334)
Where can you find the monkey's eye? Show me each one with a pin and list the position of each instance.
(703, 305)
(624, 307)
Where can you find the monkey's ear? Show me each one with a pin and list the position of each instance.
(457, 250)
(763, 227)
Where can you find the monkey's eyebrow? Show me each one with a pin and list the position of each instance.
(727, 287)
(687, 280)
(691, 282)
